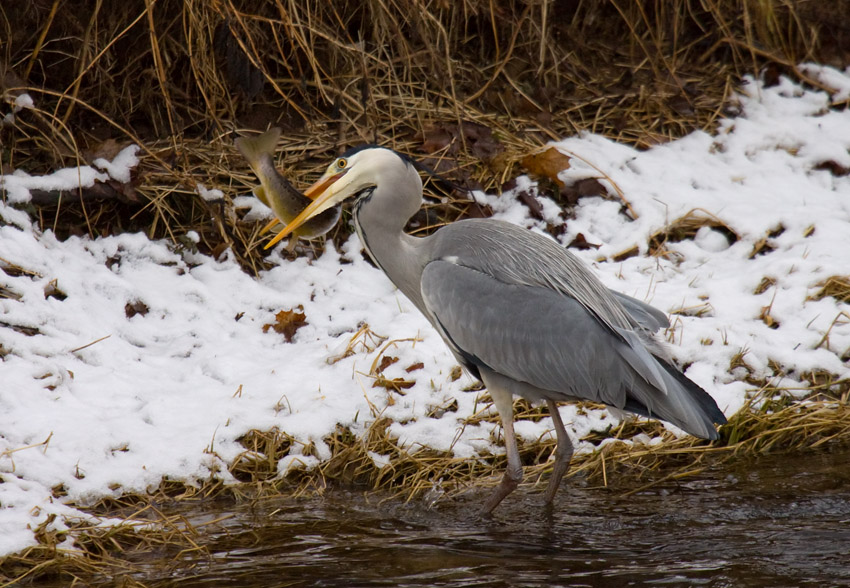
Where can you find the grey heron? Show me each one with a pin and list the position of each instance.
(519, 312)
(276, 192)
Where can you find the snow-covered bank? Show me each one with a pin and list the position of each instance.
(152, 361)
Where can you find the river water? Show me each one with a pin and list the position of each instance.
(776, 521)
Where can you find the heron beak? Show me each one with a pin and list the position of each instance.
(321, 185)
(311, 192)
(323, 196)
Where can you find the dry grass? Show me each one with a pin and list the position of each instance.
(837, 287)
(102, 552)
(178, 78)
(425, 77)
(771, 422)
(622, 462)
(686, 227)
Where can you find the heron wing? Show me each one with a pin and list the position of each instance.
(514, 255)
(647, 316)
(531, 334)
(541, 337)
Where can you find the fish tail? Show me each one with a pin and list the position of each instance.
(254, 148)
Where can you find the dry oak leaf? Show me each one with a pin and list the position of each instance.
(135, 307)
(548, 163)
(287, 322)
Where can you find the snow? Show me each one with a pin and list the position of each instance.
(119, 168)
(16, 186)
(838, 81)
(20, 102)
(155, 361)
(209, 194)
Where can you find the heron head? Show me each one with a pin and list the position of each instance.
(358, 172)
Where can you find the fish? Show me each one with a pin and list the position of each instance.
(278, 193)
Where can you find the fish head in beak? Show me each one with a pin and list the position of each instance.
(356, 172)
(325, 193)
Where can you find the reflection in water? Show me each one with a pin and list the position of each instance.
(778, 521)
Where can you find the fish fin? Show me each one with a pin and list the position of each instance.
(252, 148)
(260, 193)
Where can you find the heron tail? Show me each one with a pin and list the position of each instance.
(685, 404)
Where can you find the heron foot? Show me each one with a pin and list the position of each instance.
(509, 483)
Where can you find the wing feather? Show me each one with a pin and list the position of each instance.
(548, 341)
(533, 335)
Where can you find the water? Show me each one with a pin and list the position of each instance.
(777, 521)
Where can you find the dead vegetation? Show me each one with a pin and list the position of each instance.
(772, 421)
(624, 462)
(686, 227)
(837, 287)
(472, 88)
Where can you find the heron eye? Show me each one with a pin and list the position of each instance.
(341, 163)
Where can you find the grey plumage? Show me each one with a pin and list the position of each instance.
(545, 328)
(520, 312)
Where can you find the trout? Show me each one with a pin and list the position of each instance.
(276, 192)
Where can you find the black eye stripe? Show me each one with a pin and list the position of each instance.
(358, 149)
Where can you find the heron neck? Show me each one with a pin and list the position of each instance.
(398, 254)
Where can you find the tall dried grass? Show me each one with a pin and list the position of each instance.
(178, 78)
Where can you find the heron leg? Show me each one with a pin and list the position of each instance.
(563, 452)
(513, 474)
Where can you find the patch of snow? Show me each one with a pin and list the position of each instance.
(836, 80)
(119, 168)
(155, 363)
(23, 101)
(209, 194)
(15, 188)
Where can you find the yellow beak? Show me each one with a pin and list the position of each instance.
(322, 199)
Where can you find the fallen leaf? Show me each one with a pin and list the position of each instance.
(475, 210)
(124, 191)
(396, 384)
(219, 249)
(386, 361)
(437, 138)
(478, 139)
(131, 309)
(586, 187)
(548, 163)
(580, 242)
(287, 322)
(107, 149)
(481, 141)
(832, 167)
(414, 367)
